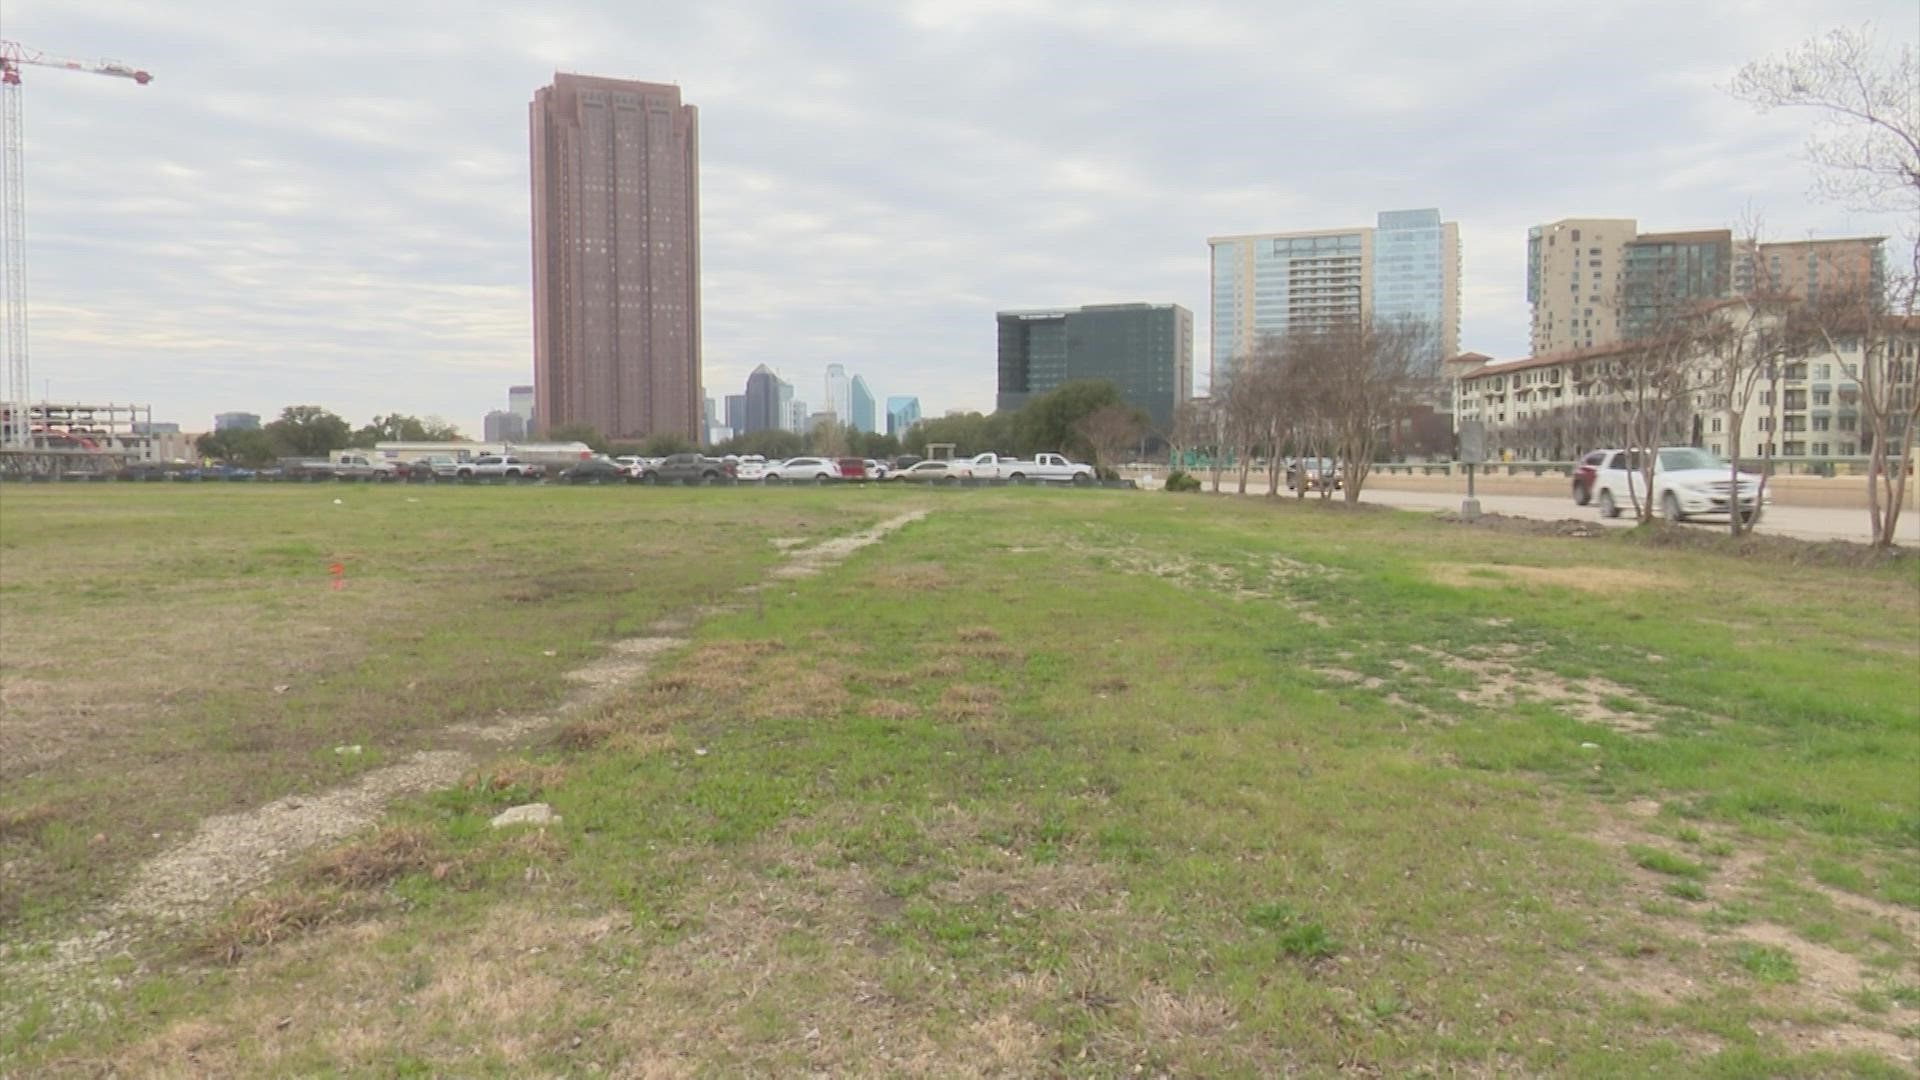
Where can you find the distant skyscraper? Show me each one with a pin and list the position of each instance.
(764, 407)
(1270, 284)
(236, 421)
(616, 257)
(520, 404)
(902, 413)
(839, 393)
(737, 414)
(862, 405)
(1574, 269)
(502, 426)
(796, 415)
(1145, 350)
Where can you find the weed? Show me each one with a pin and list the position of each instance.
(1687, 890)
(1309, 941)
(1768, 963)
(387, 854)
(1664, 862)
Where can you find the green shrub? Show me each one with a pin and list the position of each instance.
(1182, 480)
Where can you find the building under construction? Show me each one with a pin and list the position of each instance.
(60, 439)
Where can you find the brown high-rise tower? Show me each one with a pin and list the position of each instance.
(616, 258)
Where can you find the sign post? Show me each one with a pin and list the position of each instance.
(1473, 451)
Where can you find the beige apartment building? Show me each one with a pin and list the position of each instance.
(1596, 281)
(1555, 408)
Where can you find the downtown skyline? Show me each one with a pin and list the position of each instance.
(313, 221)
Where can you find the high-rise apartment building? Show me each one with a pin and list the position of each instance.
(1806, 268)
(616, 257)
(1574, 278)
(861, 395)
(902, 413)
(1594, 282)
(1145, 350)
(1272, 284)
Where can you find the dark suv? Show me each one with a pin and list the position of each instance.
(686, 469)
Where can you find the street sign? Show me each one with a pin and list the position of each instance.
(1473, 442)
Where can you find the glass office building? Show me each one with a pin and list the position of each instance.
(1145, 350)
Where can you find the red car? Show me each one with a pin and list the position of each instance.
(852, 468)
(1583, 476)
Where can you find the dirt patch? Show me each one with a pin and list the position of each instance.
(890, 709)
(967, 701)
(806, 562)
(626, 662)
(1524, 526)
(390, 853)
(1596, 579)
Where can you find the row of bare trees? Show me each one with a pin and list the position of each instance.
(1334, 392)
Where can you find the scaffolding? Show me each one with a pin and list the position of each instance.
(74, 439)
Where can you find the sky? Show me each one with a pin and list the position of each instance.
(329, 203)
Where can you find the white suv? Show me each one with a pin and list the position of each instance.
(800, 470)
(1687, 482)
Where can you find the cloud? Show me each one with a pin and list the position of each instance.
(328, 203)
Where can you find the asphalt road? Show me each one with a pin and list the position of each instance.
(1805, 522)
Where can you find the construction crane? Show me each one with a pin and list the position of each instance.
(16, 380)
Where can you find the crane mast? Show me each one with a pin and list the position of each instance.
(16, 378)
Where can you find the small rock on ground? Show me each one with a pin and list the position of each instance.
(538, 813)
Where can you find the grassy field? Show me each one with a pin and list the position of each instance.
(1079, 783)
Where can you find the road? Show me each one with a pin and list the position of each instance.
(1804, 522)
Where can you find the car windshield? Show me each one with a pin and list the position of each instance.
(1675, 458)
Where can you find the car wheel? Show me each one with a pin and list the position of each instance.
(1751, 517)
(820, 479)
(1018, 478)
(1670, 509)
(1607, 507)
(1082, 480)
(947, 481)
(464, 474)
(1581, 496)
(649, 479)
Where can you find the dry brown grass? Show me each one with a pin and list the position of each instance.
(891, 709)
(392, 852)
(912, 577)
(260, 921)
(946, 667)
(978, 633)
(1596, 579)
(25, 821)
(891, 680)
(967, 701)
(515, 773)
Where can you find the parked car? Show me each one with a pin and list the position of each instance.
(228, 472)
(801, 470)
(1584, 473)
(434, 467)
(852, 468)
(1687, 482)
(926, 472)
(1322, 474)
(633, 464)
(497, 466)
(877, 470)
(595, 471)
(685, 469)
(750, 469)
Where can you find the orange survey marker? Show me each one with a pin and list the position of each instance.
(339, 572)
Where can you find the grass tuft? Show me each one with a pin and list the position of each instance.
(1768, 963)
(1665, 862)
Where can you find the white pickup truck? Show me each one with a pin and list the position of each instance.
(362, 467)
(1043, 468)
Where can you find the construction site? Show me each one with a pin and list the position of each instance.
(48, 439)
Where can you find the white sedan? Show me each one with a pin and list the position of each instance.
(1687, 482)
(800, 470)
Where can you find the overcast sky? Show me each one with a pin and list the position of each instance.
(328, 202)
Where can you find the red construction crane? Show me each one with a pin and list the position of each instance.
(15, 379)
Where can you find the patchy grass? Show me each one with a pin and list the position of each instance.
(1113, 818)
(171, 654)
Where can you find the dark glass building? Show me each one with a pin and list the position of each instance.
(1146, 350)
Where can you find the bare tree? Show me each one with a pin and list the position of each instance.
(1110, 430)
(1747, 349)
(1651, 381)
(1866, 155)
(1370, 375)
(1871, 158)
